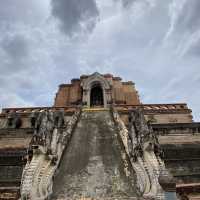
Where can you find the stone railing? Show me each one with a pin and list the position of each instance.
(148, 108)
(143, 150)
(156, 108)
(48, 145)
(29, 110)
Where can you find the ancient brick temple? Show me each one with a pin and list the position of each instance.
(99, 141)
(97, 90)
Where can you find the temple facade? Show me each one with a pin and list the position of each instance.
(99, 141)
(97, 90)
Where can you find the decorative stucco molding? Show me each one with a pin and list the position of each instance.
(88, 83)
(51, 138)
(142, 147)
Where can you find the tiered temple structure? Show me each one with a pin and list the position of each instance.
(99, 141)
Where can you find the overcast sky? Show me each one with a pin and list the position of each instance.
(154, 43)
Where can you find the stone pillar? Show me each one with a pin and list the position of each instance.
(108, 96)
(85, 99)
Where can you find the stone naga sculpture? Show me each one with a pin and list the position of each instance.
(143, 149)
(141, 135)
(51, 136)
(44, 129)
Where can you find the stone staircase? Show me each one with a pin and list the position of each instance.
(93, 166)
(94, 162)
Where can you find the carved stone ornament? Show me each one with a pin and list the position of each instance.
(51, 136)
(140, 144)
(88, 83)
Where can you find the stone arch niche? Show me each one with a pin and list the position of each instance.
(94, 83)
(96, 95)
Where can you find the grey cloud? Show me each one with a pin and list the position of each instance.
(120, 43)
(185, 27)
(23, 11)
(15, 46)
(128, 3)
(189, 18)
(14, 54)
(195, 50)
(75, 15)
(125, 3)
(14, 100)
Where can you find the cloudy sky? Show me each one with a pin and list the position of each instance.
(152, 42)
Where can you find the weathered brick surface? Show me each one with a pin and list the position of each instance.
(122, 92)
